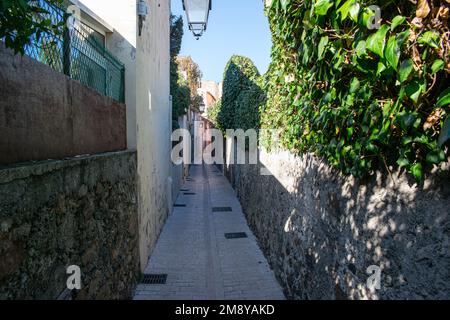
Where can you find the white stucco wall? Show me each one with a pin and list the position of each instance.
(153, 124)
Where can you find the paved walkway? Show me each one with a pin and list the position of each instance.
(199, 261)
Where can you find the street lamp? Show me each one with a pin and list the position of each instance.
(197, 12)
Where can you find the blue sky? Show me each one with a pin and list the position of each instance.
(235, 27)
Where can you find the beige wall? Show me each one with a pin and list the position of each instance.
(210, 88)
(153, 124)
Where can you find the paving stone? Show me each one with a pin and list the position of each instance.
(200, 262)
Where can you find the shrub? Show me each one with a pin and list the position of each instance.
(241, 95)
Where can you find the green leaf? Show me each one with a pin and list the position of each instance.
(361, 48)
(407, 119)
(354, 85)
(354, 11)
(372, 148)
(405, 70)
(345, 8)
(406, 140)
(398, 20)
(377, 41)
(321, 7)
(338, 59)
(403, 162)
(322, 45)
(423, 139)
(306, 50)
(436, 156)
(402, 36)
(437, 66)
(349, 132)
(443, 99)
(416, 171)
(284, 4)
(413, 90)
(381, 67)
(392, 53)
(430, 38)
(445, 132)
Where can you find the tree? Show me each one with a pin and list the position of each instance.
(22, 19)
(193, 76)
(242, 95)
(176, 34)
(178, 89)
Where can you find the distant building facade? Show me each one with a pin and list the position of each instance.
(211, 92)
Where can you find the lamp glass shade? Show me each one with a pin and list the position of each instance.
(197, 12)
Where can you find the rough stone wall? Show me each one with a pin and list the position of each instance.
(39, 105)
(321, 231)
(74, 212)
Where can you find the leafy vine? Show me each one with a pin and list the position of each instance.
(360, 90)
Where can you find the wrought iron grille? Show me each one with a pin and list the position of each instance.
(79, 53)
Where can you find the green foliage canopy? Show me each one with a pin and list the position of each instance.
(178, 88)
(192, 76)
(21, 19)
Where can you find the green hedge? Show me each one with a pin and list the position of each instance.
(363, 98)
(242, 95)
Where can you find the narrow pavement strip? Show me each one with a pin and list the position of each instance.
(206, 248)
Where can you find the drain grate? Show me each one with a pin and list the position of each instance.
(236, 235)
(154, 279)
(189, 193)
(179, 205)
(222, 209)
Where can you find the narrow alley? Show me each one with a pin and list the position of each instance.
(197, 255)
(218, 150)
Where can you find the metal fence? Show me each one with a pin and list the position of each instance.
(79, 53)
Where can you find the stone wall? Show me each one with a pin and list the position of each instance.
(81, 212)
(39, 105)
(321, 231)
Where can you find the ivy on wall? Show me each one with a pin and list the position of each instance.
(363, 91)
